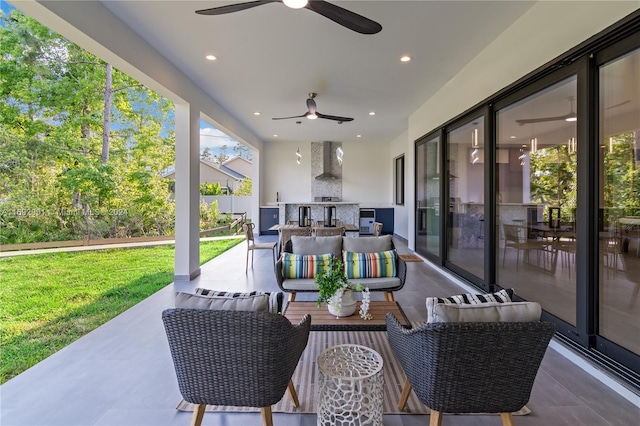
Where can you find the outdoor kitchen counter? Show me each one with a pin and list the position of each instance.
(347, 212)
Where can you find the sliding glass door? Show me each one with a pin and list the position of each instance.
(465, 224)
(619, 201)
(428, 197)
(536, 177)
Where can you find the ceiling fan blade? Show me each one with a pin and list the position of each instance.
(333, 117)
(311, 105)
(344, 17)
(295, 116)
(617, 105)
(544, 119)
(221, 10)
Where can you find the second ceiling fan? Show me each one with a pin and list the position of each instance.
(337, 14)
(312, 112)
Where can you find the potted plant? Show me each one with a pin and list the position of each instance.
(337, 292)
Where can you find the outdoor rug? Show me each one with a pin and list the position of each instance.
(410, 257)
(305, 376)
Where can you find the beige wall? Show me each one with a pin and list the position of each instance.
(366, 173)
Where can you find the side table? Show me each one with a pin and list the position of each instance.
(350, 386)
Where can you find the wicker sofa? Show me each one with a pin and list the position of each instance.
(303, 245)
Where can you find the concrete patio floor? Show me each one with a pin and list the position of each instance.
(122, 374)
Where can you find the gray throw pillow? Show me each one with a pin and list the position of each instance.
(317, 245)
(367, 244)
(256, 303)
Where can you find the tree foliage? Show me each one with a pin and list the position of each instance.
(622, 176)
(81, 145)
(553, 180)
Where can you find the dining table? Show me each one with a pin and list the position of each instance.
(278, 227)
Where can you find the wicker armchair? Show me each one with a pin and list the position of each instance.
(470, 367)
(214, 366)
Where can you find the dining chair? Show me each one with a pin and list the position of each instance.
(329, 231)
(512, 240)
(252, 246)
(286, 233)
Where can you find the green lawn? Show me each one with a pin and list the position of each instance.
(48, 301)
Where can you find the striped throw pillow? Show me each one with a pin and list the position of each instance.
(276, 299)
(304, 265)
(369, 265)
(502, 296)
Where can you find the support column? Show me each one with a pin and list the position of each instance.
(187, 252)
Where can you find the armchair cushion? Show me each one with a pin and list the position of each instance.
(487, 312)
(304, 265)
(502, 296)
(209, 299)
(276, 298)
(370, 265)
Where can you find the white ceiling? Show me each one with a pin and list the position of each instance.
(270, 57)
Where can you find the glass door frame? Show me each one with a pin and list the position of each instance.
(423, 141)
(580, 332)
(603, 345)
(489, 198)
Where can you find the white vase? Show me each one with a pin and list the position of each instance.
(347, 308)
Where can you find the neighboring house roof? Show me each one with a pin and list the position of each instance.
(225, 170)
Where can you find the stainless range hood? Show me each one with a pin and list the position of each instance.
(327, 157)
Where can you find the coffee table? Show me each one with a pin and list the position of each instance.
(322, 320)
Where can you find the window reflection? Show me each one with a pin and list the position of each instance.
(536, 169)
(466, 191)
(428, 197)
(619, 191)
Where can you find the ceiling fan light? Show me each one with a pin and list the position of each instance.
(312, 116)
(295, 4)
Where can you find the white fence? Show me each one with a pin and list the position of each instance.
(231, 203)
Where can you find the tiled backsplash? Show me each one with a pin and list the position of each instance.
(325, 188)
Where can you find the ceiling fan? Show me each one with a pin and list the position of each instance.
(337, 14)
(571, 116)
(312, 113)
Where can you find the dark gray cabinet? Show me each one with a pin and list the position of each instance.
(385, 216)
(269, 216)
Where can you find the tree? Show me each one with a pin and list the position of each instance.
(206, 154)
(222, 155)
(243, 152)
(245, 187)
(64, 171)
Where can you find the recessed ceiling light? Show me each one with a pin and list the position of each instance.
(275, 136)
(211, 57)
(405, 58)
(372, 113)
(358, 136)
(512, 137)
(257, 113)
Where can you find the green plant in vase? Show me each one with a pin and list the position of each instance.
(335, 290)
